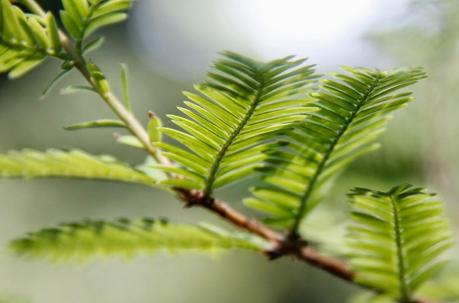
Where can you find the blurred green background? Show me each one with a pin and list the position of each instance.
(168, 46)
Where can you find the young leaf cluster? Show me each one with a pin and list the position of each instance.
(83, 17)
(397, 239)
(25, 40)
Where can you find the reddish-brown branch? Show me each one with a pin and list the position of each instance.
(330, 265)
(281, 246)
(240, 220)
(221, 208)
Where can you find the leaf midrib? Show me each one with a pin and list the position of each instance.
(401, 266)
(221, 154)
(328, 152)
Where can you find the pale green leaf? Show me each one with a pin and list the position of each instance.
(125, 86)
(73, 89)
(93, 45)
(130, 141)
(53, 82)
(101, 123)
(81, 240)
(154, 125)
(68, 164)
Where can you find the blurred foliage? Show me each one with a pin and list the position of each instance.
(69, 164)
(428, 35)
(83, 240)
(397, 239)
(444, 289)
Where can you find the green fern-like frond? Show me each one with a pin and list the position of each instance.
(397, 239)
(25, 40)
(83, 17)
(233, 119)
(79, 241)
(354, 110)
(68, 164)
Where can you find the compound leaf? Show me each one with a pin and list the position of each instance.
(397, 239)
(90, 238)
(354, 110)
(68, 164)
